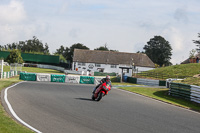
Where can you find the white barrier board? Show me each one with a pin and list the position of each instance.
(97, 80)
(72, 79)
(43, 77)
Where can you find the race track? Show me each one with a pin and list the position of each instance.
(63, 108)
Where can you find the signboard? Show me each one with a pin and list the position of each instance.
(86, 80)
(43, 77)
(57, 78)
(72, 79)
(28, 76)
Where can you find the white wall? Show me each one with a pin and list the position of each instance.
(140, 69)
(92, 67)
(107, 68)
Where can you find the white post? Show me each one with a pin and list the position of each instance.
(1, 61)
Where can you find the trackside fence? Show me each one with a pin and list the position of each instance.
(188, 92)
(84, 79)
(10, 74)
(56, 78)
(149, 82)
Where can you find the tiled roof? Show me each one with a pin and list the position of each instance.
(111, 57)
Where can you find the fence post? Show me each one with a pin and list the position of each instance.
(1, 62)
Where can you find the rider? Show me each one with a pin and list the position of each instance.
(106, 79)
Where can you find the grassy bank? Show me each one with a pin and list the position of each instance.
(175, 71)
(162, 95)
(34, 70)
(7, 124)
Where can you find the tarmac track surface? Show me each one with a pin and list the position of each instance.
(64, 108)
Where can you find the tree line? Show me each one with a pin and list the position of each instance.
(157, 49)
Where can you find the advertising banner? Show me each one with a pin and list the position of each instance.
(28, 76)
(86, 80)
(72, 79)
(43, 77)
(57, 78)
(97, 80)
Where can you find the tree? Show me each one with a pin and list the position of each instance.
(32, 45)
(62, 51)
(71, 50)
(105, 48)
(159, 51)
(141, 52)
(198, 43)
(14, 57)
(102, 48)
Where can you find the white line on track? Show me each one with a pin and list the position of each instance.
(13, 112)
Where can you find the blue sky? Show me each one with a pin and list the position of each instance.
(124, 25)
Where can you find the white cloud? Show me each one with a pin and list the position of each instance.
(175, 38)
(12, 13)
(125, 25)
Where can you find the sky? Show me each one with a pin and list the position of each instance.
(123, 25)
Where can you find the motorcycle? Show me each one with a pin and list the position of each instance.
(101, 91)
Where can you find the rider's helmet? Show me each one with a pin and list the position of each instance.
(107, 78)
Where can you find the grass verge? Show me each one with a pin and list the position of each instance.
(7, 124)
(34, 70)
(162, 95)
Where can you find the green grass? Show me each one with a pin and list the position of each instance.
(124, 83)
(190, 81)
(34, 70)
(178, 71)
(162, 95)
(183, 71)
(7, 124)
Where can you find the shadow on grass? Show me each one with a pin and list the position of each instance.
(177, 100)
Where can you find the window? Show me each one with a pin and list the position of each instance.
(81, 64)
(113, 66)
(97, 65)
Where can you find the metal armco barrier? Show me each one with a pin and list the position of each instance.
(188, 92)
(195, 93)
(132, 80)
(180, 90)
(148, 82)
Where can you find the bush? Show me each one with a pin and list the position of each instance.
(14, 57)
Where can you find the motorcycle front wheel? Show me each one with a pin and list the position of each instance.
(93, 98)
(99, 96)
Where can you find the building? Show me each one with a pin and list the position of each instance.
(110, 61)
(192, 60)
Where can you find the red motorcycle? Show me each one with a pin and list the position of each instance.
(101, 91)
